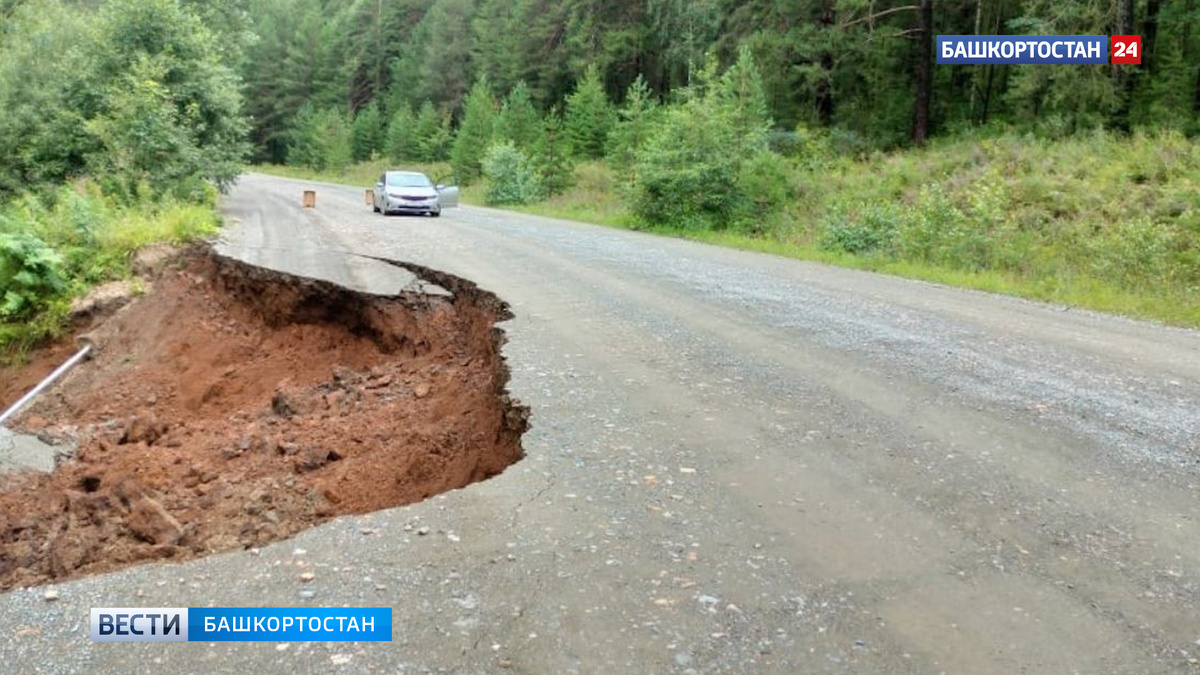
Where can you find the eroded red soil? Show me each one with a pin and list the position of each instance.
(233, 406)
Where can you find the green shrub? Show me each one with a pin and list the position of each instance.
(511, 176)
(706, 164)
(861, 229)
(1136, 252)
(939, 233)
(785, 143)
(31, 276)
(687, 171)
(764, 184)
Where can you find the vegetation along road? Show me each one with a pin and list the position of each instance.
(741, 462)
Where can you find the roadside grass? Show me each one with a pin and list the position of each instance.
(1097, 221)
(58, 244)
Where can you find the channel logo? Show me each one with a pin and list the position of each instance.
(1036, 49)
(241, 624)
(139, 624)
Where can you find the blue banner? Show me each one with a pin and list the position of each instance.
(289, 624)
(1030, 49)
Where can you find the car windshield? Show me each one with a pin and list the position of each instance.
(407, 180)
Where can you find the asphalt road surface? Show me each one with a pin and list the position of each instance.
(738, 463)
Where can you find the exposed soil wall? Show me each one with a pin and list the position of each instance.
(233, 406)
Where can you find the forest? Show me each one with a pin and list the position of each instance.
(860, 67)
(818, 128)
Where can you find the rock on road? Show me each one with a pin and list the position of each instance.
(738, 463)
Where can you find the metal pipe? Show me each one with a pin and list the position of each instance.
(58, 372)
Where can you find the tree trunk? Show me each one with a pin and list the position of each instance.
(975, 71)
(825, 103)
(1196, 102)
(1150, 34)
(924, 80)
(1122, 76)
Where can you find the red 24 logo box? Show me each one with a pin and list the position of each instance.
(1127, 49)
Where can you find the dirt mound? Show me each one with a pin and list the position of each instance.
(234, 406)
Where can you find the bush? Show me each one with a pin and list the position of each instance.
(511, 176)
(80, 237)
(764, 183)
(706, 164)
(786, 143)
(940, 233)
(859, 228)
(31, 276)
(134, 91)
(685, 175)
(1136, 252)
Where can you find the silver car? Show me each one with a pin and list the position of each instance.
(412, 192)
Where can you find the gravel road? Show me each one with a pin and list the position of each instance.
(738, 463)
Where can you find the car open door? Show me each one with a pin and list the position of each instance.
(447, 195)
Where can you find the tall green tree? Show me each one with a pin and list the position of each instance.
(368, 133)
(589, 116)
(320, 139)
(741, 94)
(137, 91)
(475, 133)
(446, 68)
(402, 135)
(634, 126)
(297, 59)
(518, 121)
(434, 134)
(552, 156)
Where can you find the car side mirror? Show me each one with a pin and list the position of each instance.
(439, 187)
(379, 185)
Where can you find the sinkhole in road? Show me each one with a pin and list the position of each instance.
(232, 406)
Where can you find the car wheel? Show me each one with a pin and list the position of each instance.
(436, 214)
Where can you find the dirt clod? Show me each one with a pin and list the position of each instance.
(233, 406)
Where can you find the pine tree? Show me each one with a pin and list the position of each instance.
(518, 120)
(552, 156)
(741, 95)
(446, 66)
(589, 116)
(320, 139)
(475, 132)
(634, 127)
(402, 135)
(368, 133)
(433, 134)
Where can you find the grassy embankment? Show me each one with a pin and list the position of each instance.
(58, 244)
(1100, 222)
